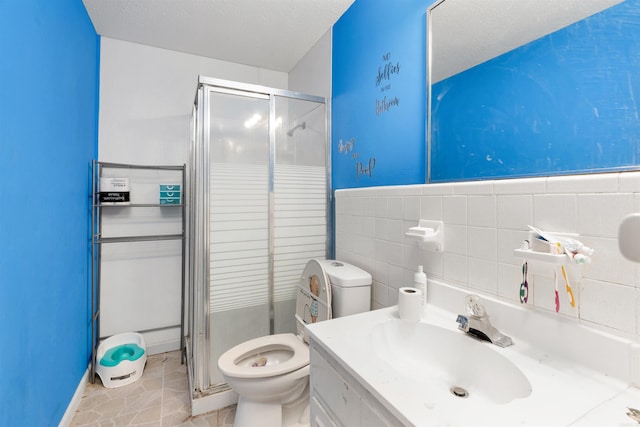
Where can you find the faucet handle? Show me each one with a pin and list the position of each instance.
(463, 323)
(474, 306)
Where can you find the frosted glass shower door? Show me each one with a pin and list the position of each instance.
(300, 200)
(238, 141)
(258, 212)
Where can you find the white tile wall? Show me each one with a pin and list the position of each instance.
(484, 221)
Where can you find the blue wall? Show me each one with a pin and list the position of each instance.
(48, 135)
(378, 94)
(565, 102)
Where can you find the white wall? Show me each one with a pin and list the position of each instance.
(312, 74)
(146, 97)
(484, 222)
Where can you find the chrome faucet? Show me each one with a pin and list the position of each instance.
(477, 323)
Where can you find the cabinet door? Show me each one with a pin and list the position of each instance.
(334, 392)
(372, 417)
(319, 416)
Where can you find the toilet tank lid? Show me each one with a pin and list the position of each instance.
(344, 274)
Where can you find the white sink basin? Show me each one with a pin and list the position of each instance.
(446, 364)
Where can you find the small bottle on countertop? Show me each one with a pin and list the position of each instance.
(420, 282)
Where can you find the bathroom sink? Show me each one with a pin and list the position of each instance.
(448, 364)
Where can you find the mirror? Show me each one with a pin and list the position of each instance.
(533, 87)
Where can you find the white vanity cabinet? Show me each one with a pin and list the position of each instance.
(338, 400)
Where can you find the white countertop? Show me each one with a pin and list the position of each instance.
(564, 391)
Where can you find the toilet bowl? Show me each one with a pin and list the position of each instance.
(271, 373)
(120, 359)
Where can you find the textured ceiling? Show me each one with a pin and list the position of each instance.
(272, 34)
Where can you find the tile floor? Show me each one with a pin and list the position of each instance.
(159, 398)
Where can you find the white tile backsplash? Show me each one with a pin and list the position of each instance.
(482, 243)
(382, 251)
(381, 272)
(396, 230)
(396, 254)
(382, 228)
(395, 208)
(608, 303)
(455, 268)
(514, 212)
(481, 211)
(600, 214)
(483, 276)
(509, 279)
(608, 263)
(380, 293)
(412, 208)
(431, 207)
(556, 212)
(629, 182)
(473, 187)
(382, 207)
(442, 189)
(483, 222)
(368, 226)
(508, 240)
(454, 210)
(596, 183)
(520, 186)
(455, 239)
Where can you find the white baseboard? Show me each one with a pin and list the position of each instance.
(163, 347)
(213, 402)
(75, 401)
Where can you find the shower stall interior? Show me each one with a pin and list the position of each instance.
(258, 210)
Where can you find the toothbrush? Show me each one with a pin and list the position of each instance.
(572, 300)
(555, 279)
(524, 286)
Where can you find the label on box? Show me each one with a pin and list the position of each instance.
(114, 190)
(114, 184)
(114, 197)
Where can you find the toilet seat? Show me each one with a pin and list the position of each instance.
(307, 303)
(237, 362)
(115, 355)
(270, 373)
(234, 362)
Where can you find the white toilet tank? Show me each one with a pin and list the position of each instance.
(350, 288)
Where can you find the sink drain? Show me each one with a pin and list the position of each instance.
(459, 392)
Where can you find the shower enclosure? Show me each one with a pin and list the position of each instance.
(258, 210)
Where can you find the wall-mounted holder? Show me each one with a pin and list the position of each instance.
(536, 250)
(429, 234)
(532, 255)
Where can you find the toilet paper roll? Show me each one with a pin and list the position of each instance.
(410, 304)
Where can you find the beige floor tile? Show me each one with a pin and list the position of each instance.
(205, 420)
(86, 418)
(227, 416)
(159, 398)
(148, 415)
(175, 419)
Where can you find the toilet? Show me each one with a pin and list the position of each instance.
(271, 373)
